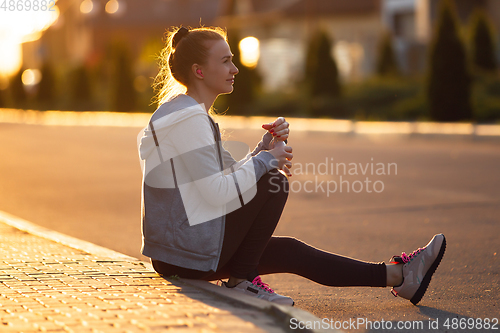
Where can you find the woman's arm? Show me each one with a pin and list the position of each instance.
(230, 161)
(277, 130)
(194, 142)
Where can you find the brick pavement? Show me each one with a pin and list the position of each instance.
(49, 287)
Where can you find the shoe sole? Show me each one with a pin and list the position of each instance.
(427, 278)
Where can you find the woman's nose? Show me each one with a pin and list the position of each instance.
(235, 70)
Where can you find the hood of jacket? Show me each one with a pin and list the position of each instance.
(166, 116)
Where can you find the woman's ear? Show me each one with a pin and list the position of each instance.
(197, 71)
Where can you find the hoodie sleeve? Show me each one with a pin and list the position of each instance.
(197, 149)
(227, 158)
(262, 145)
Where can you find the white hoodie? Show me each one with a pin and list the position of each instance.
(191, 182)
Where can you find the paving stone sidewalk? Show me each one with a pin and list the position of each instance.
(49, 287)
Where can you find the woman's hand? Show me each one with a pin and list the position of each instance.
(284, 155)
(279, 129)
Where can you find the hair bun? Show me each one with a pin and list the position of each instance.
(183, 31)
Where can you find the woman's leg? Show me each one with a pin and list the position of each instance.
(249, 248)
(290, 255)
(247, 232)
(249, 228)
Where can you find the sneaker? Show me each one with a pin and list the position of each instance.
(418, 269)
(261, 290)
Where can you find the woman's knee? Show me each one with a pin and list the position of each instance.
(285, 244)
(275, 182)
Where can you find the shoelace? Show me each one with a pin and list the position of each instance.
(406, 258)
(258, 282)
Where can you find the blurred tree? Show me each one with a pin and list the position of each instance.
(321, 68)
(386, 61)
(151, 50)
(246, 82)
(80, 89)
(449, 80)
(321, 77)
(46, 93)
(16, 89)
(123, 96)
(2, 99)
(483, 42)
(147, 69)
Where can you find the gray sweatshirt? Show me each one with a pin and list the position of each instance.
(190, 182)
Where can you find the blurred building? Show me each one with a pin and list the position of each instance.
(285, 26)
(412, 21)
(86, 28)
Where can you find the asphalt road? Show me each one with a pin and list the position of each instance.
(86, 181)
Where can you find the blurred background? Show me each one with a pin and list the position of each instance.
(380, 60)
(359, 59)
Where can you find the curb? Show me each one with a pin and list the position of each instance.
(281, 313)
(340, 126)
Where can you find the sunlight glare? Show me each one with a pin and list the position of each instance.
(17, 27)
(10, 57)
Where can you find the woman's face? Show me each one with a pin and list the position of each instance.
(219, 71)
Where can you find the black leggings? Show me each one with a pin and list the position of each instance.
(249, 249)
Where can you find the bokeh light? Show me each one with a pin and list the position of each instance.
(112, 6)
(250, 53)
(86, 6)
(30, 77)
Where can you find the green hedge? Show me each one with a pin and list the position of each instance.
(374, 99)
(380, 99)
(486, 99)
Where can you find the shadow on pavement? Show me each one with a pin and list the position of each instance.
(439, 321)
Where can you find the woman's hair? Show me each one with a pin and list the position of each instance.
(184, 47)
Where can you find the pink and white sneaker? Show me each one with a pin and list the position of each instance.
(418, 269)
(261, 290)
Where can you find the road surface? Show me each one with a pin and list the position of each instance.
(86, 181)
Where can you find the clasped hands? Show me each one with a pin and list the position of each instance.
(277, 147)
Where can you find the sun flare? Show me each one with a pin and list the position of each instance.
(19, 25)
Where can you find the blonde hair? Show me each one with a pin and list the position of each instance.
(183, 48)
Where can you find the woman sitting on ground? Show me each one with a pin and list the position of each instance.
(207, 216)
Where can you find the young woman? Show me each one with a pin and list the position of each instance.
(207, 216)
